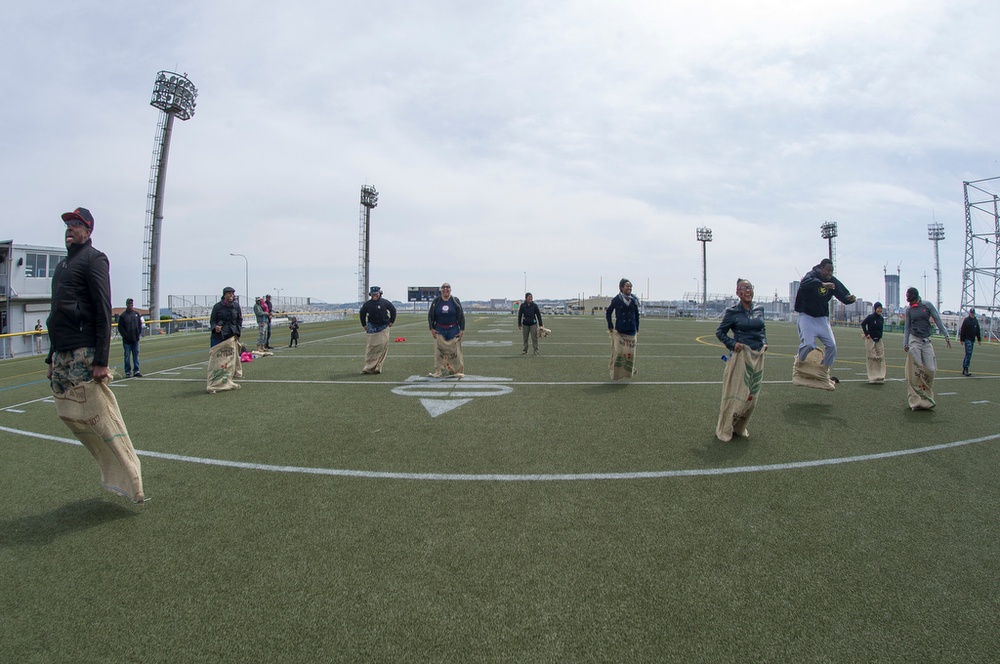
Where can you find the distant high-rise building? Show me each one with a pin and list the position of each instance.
(793, 290)
(891, 292)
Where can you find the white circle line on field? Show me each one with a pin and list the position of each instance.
(535, 477)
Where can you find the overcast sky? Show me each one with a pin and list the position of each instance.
(559, 144)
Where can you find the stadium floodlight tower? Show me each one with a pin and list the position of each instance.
(935, 233)
(704, 236)
(369, 199)
(175, 96)
(829, 231)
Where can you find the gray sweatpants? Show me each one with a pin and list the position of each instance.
(812, 328)
(922, 352)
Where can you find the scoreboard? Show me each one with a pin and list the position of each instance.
(422, 293)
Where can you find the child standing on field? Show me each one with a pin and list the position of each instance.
(293, 325)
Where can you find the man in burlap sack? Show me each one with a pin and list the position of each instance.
(812, 303)
(224, 354)
(529, 321)
(377, 316)
(624, 331)
(79, 328)
(744, 372)
(921, 363)
(871, 330)
(447, 322)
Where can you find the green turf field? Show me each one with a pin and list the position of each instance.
(529, 512)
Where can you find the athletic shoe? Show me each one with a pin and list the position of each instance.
(128, 375)
(137, 375)
(834, 380)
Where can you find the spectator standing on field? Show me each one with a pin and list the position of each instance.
(260, 313)
(529, 319)
(130, 325)
(38, 336)
(293, 327)
(269, 306)
(968, 334)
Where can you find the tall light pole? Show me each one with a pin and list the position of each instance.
(246, 275)
(704, 236)
(369, 199)
(935, 233)
(174, 95)
(829, 231)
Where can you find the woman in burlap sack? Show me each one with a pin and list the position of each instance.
(921, 364)
(871, 330)
(744, 372)
(447, 322)
(624, 332)
(226, 322)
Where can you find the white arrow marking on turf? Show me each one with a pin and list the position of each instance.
(461, 391)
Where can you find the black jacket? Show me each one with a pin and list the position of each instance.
(528, 314)
(130, 326)
(377, 312)
(814, 299)
(81, 304)
(969, 330)
(229, 317)
(873, 325)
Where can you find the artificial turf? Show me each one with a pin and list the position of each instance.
(550, 516)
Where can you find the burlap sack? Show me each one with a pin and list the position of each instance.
(741, 383)
(376, 348)
(920, 385)
(223, 365)
(811, 373)
(623, 347)
(448, 359)
(875, 360)
(91, 412)
(543, 332)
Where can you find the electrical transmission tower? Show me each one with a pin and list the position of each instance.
(980, 276)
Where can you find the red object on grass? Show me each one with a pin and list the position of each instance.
(400, 339)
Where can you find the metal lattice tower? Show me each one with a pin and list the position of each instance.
(174, 95)
(981, 274)
(369, 199)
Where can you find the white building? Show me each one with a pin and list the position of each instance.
(25, 295)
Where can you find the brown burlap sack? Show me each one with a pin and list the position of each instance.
(811, 373)
(223, 364)
(741, 383)
(376, 348)
(875, 361)
(543, 332)
(90, 410)
(920, 385)
(448, 358)
(623, 347)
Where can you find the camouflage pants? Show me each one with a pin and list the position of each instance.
(71, 368)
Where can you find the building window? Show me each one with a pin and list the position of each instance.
(40, 265)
